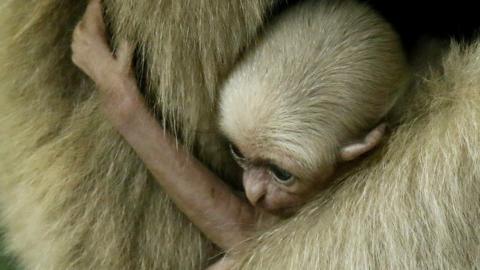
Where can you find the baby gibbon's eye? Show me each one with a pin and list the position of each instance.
(281, 176)
(236, 152)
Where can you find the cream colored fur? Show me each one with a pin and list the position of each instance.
(321, 76)
(74, 196)
(413, 205)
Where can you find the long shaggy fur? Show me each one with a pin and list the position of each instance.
(74, 196)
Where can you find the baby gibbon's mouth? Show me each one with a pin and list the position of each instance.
(284, 212)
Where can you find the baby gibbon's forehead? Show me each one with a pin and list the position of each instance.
(266, 126)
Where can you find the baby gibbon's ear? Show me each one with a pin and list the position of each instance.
(371, 140)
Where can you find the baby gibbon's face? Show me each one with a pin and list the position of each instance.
(276, 183)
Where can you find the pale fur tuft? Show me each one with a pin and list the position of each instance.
(318, 78)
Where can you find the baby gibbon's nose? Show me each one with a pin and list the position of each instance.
(255, 190)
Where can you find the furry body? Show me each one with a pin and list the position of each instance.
(60, 175)
(74, 196)
(412, 205)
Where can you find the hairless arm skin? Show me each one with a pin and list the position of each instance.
(208, 202)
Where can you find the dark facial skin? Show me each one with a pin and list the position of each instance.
(206, 200)
(275, 182)
(271, 187)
